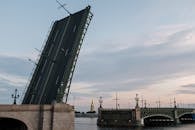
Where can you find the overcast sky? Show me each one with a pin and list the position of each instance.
(145, 47)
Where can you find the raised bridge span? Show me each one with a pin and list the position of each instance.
(44, 103)
(145, 116)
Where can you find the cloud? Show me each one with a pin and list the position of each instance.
(189, 86)
(158, 41)
(6, 90)
(146, 63)
(14, 73)
(126, 65)
(15, 65)
(82, 87)
(164, 33)
(166, 43)
(160, 60)
(87, 90)
(3, 89)
(186, 92)
(187, 89)
(154, 61)
(14, 80)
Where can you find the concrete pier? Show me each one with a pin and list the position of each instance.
(58, 116)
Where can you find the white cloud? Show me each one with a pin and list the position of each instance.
(161, 34)
(171, 84)
(175, 35)
(163, 90)
(3, 90)
(82, 87)
(168, 40)
(163, 40)
(167, 88)
(13, 80)
(33, 55)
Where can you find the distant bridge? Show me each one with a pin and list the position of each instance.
(160, 116)
(145, 116)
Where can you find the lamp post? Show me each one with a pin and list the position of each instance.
(15, 96)
(101, 101)
(175, 104)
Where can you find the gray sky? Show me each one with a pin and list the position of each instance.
(144, 47)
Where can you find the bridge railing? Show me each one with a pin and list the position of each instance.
(165, 111)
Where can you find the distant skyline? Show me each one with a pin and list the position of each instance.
(143, 47)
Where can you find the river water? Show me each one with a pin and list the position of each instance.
(90, 124)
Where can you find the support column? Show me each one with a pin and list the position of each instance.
(137, 112)
(175, 113)
(176, 118)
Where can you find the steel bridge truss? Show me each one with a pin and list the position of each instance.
(53, 74)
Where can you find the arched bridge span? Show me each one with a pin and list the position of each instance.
(157, 120)
(166, 116)
(12, 124)
(37, 117)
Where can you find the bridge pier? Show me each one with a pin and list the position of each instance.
(138, 116)
(57, 116)
(175, 115)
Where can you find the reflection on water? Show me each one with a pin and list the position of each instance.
(90, 124)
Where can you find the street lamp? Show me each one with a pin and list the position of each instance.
(101, 101)
(15, 96)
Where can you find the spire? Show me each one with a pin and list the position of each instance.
(137, 101)
(92, 106)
